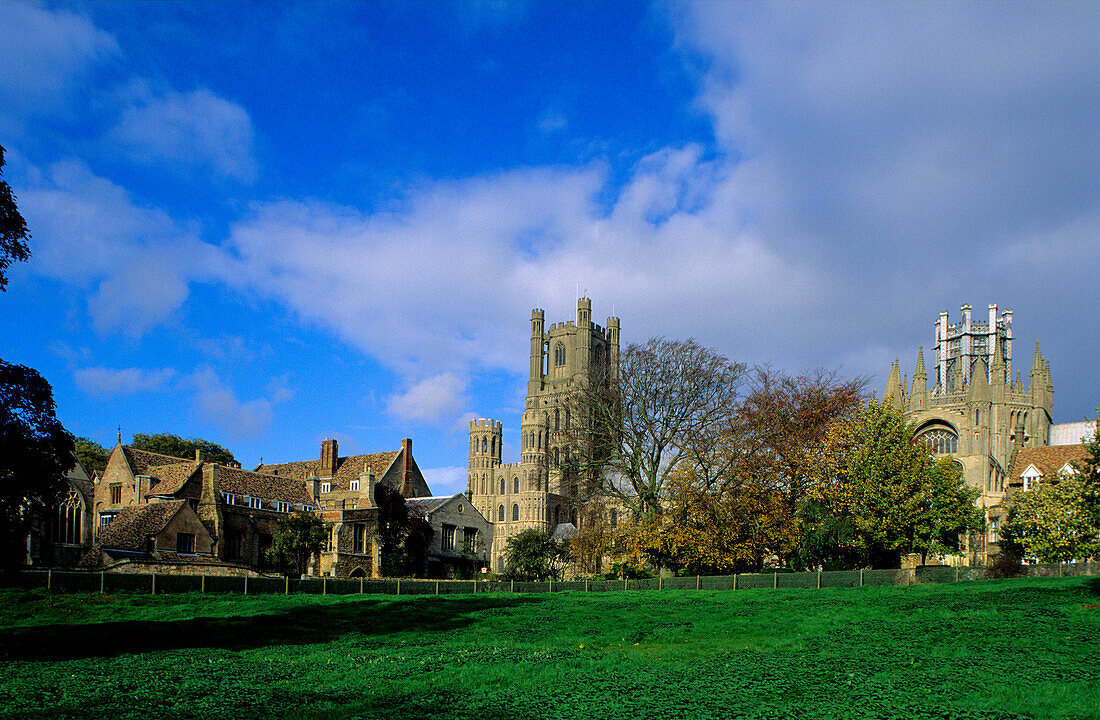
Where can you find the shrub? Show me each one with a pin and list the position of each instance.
(1005, 565)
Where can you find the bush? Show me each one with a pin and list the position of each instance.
(1005, 565)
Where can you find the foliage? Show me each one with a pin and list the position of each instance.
(36, 452)
(175, 446)
(852, 653)
(92, 455)
(300, 536)
(13, 229)
(403, 534)
(897, 498)
(534, 555)
(1055, 522)
(828, 539)
(663, 405)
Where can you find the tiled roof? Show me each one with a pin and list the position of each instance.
(171, 477)
(141, 460)
(263, 485)
(347, 468)
(130, 529)
(1047, 460)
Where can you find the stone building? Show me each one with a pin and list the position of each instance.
(158, 499)
(462, 535)
(535, 492)
(975, 412)
(67, 531)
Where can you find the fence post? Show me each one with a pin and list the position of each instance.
(696, 582)
(154, 588)
(735, 581)
(286, 585)
(660, 582)
(818, 579)
(398, 586)
(956, 573)
(49, 580)
(436, 587)
(775, 580)
(586, 584)
(245, 584)
(624, 583)
(361, 586)
(511, 586)
(324, 586)
(861, 577)
(102, 581)
(202, 584)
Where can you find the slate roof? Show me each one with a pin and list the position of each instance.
(130, 529)
(431, 504)
(347, 468)
(1047, 460)
(263, 485)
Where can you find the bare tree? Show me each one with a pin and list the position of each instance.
(664, 406)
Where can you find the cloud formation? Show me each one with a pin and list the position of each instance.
(216, 402)
(430, 400)
(107, 382)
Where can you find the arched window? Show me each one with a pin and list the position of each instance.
(68, 525)
(939, 440)
(515, 512)
(493, 447)
(515, 484)
(500, 513)
(557, 420)
(484, 485)
(502, 486)
(484, 444)
(566, 418)
(559, 354)
(555, 456)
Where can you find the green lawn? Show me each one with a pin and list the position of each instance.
(988, 649)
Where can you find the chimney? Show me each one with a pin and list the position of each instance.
(209, 508)
(406, 467)
(199, 457)
(329, 453)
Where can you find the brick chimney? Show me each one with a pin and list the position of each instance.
(406, 467)
(209, 508)
(329, 454)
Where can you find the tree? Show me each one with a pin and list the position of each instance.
(175, 446)
(300, 536)
(403, 533)
(896, 496)
(13, 229)
(534, 555)
(1055, 522)
(36, 452)
(92, 455)
(663, 405)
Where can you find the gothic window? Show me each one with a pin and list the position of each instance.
(69, 515)
(502, 486)
(493, 447)
(559, 354)
(484, 486)
(515, 484)
(484, 444)
(555, 456)
(566, 418)
(940, 440)
(557, 419)
(500, 513)
(116, 493)
(515, 512)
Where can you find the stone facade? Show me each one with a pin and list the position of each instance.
(462, 536)
(975, 412)
(534, 492)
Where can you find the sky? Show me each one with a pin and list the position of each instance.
(265, 224)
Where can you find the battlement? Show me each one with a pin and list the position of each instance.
(563, 325)
(485, 424)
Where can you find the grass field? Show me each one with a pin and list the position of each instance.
(1025, 648)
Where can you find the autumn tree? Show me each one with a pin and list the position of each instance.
(36, 452)
(640, 422)
(1056, 521)
(13, 229)
(92, 455)
(300, 536)
(175, 446)
(897, 498)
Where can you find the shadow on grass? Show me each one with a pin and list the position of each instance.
(296, 626)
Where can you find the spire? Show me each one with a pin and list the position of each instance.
(119, 434)
(1037, 361)
(957, 378)
(1019, 386)
(997, 370)
(893, 392)
(920, 372)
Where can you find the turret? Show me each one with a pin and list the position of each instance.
(538, 320)
(584, 336)
(485, 444)
(613, 346)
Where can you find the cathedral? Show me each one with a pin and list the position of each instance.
(534, 492)
(975, 412)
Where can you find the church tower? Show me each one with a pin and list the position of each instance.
(534, 493)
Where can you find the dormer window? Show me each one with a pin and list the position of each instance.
(255, 503)
(326, 487)
(230, 498)
(283, 507)
(355, 484)
(1031, 477)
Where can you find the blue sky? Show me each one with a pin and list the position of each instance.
(265, 224)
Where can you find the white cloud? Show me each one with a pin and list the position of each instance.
(447, 480)
(138, 260)
(216, 402)
(430, 400)
(188, 131)
(46, 56)
(108, 382)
